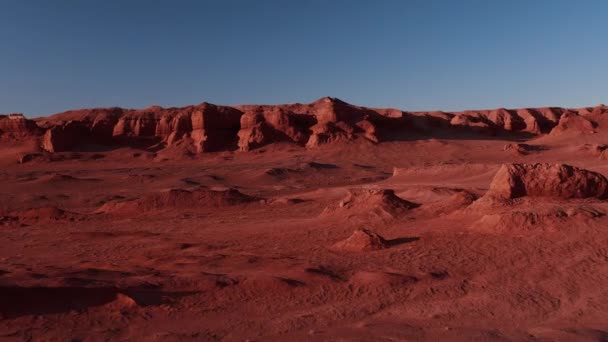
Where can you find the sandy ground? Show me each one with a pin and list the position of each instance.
(264, 270)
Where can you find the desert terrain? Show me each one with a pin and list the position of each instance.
(323, 221)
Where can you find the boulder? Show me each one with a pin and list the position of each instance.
(547, 180)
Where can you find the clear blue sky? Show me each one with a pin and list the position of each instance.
(414, 55)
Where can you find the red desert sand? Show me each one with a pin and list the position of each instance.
(323, 221)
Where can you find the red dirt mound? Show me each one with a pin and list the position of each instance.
(520, 149)
(459, 199)
(361, 240)
(382, 202)
(547, 180)
(180, 198)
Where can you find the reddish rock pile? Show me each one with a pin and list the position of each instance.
(547, 180)
(361, 240)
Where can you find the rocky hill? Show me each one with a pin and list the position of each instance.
(209, 128)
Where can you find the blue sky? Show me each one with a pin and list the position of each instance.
(414, 55)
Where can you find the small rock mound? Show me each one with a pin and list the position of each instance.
(520, 149)
(180, 198)
(122, 302)
(376, 198)
(361, 240)
(547, 180)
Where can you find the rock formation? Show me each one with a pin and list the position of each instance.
(214, 127)
(209, 128)
(17, 126)
(382, 203)
(547, 180)
(519, 149)
(361, 240)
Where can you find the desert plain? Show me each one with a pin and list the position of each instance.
(323, 221)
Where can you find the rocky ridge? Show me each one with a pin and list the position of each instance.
(209, 128)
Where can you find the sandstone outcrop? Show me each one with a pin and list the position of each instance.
(209, 128)
(17, 126)
(547, 180)
(574, 123)
(64, 137)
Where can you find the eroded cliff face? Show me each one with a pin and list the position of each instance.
(210, 128)
(16, 126)
(64, 137)
(207, 127)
